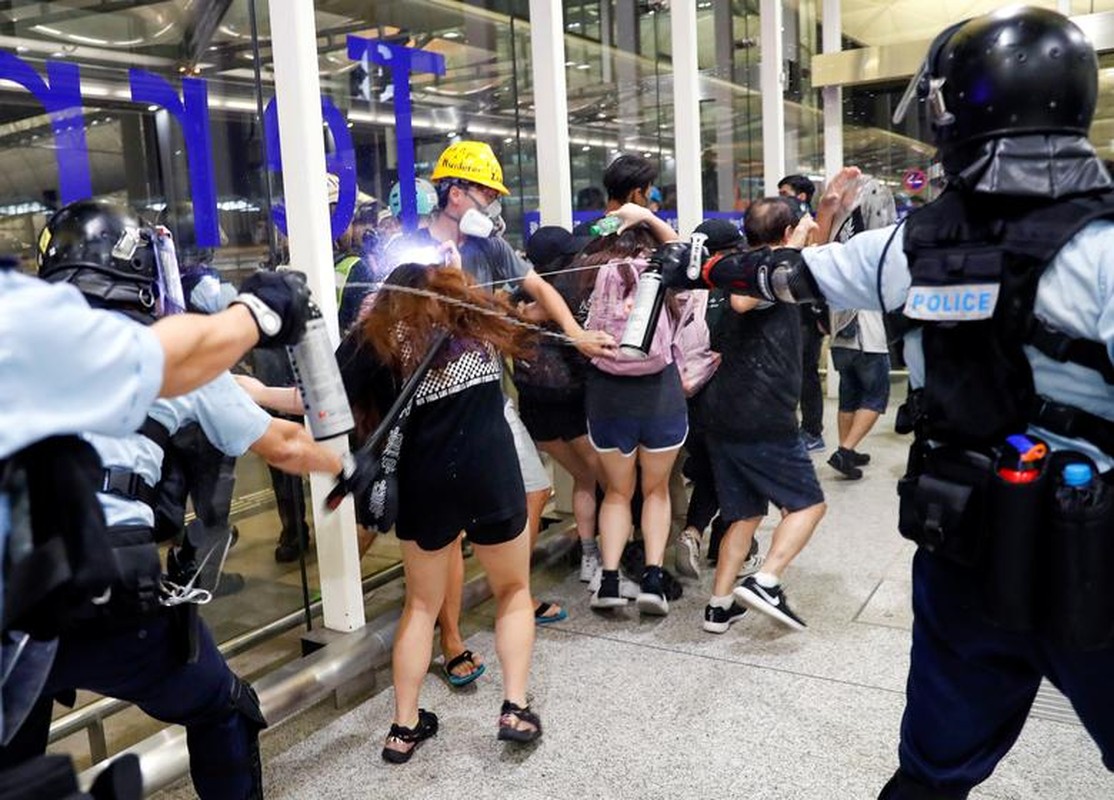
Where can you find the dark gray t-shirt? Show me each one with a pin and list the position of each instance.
(491, 261)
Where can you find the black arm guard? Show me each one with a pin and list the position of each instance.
(779, 276)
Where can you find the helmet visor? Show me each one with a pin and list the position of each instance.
(171, 298)
(911, 92)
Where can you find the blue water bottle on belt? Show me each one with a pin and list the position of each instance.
(1078, 488)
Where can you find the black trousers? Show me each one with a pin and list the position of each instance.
(812, 397)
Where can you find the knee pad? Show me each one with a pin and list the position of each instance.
(902, 787)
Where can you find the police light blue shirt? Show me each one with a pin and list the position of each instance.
(1075, 295)
(231, 421)
(66, 368)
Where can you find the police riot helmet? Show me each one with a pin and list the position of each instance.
(103, 249)
(1014, 72)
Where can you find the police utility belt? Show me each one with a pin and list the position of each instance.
(978, 491)
(136, 592)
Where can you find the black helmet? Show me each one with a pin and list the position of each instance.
(102, 248)
(1018, 71)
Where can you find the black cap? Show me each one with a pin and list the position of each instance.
(723, 234)
(549, 243)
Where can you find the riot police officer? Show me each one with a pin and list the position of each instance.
(66, 369)
(1006, 286)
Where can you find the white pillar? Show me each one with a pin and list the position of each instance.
(298, 92)
(551, 112)
(686, 117)
(1064, 7)
(772, 83)
(833, 95)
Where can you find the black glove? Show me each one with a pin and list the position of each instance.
(279, 301)
(672, 260)
(779, 275)
(360, 470)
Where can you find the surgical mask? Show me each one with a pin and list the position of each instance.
(476, 223)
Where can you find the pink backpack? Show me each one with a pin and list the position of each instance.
(692, 347)
(610, 306)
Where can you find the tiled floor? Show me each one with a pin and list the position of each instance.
(656, 708)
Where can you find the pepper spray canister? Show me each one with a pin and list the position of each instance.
(645, 313)
(318, 378)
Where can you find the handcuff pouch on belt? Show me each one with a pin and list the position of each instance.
(1039, 566)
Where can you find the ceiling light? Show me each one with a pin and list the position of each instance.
(452, 34)
(152, 107)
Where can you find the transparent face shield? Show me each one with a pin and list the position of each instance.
(171, 299)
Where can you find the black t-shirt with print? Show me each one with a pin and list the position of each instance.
(753, 395)
(458, 466)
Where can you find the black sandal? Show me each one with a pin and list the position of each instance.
(509, 717)
(425, 729)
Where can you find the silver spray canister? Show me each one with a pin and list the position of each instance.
(318, 378)
(643, 320)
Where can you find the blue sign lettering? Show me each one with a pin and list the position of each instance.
(192, 113)
(62, 101)
(341, 162)
(402, 61)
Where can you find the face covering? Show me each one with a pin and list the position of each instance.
(476, 223)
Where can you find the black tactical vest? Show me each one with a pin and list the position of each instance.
(975, 263)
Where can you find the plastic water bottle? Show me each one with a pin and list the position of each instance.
(606, 226)
(1078, 488)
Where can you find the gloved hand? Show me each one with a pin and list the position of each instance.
(777, 275)
(360, 469)
(672, 260)
(279, 301)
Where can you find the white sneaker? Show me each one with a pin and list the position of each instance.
(687, 554)
(589, 565)
(627, 588)
(751, 565)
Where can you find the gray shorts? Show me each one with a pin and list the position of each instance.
(534, 476)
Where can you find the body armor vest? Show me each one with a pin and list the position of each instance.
(975, 264)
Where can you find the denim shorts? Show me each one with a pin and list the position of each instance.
(627, 434)
(750, 475)
(864, 379)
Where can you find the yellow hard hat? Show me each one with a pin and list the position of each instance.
(470, 161)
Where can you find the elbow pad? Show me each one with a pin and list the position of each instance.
(779, 276)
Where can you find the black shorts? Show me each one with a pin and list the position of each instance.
(749, 475)
(496, 531)
(562, 420)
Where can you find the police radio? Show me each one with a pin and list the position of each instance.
(318, 378)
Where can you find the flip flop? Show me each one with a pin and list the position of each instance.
(540, 614)
(463, 680)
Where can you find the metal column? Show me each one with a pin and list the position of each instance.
(832, 29)
(772, 84)
(686, 117)
(298, 92)
(551, 109)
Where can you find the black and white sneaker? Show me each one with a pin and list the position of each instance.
(769, 600)
(718, 620)
(652, 600)
(607, 594)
